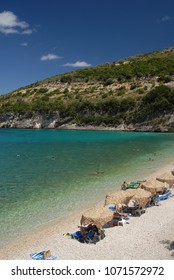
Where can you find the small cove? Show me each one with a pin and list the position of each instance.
(48, 175)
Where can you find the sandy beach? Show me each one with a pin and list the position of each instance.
(147, 237)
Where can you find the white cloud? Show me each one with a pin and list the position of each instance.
(8, 30)
(10, 24)
(27, 31)
(24, 44)
(165, 18)
(78, 64)
(49, 56)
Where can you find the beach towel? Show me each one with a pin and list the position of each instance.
(112, 207)
(133, 185)
(78, 236)
(40, 256)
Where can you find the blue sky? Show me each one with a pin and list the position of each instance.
(39, 39)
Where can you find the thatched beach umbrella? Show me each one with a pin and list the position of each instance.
(119, 196)
(97, 215)
(139, 195)
(166, 177)
(153, 186)
(142, 197)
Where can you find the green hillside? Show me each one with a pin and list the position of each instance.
(137, 89)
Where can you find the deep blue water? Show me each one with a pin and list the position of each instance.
(47, 175)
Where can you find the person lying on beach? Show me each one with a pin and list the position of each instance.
(131, 185)
(133, 208)
(85, 229)
(119, 214)
(163, 191)
(87, 234)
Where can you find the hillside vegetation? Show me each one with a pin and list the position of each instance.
(139, 89)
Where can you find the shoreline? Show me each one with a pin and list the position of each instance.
(159, 226)
(139, 127)
(120, 128)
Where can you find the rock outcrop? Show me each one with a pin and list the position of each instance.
(30, 120)
(52, 120)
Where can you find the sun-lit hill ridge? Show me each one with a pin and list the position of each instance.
(130, 92)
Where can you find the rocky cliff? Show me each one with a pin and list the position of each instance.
(30, 120)
(52, 120)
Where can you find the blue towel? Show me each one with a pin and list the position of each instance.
(40, 256)
(164, 196)
(77, 235)
(112, 207)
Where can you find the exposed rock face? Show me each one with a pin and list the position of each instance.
(30, 120)
(52, 120)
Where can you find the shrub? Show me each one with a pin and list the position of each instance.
(140, 91)
(42, 90)
(121, 92)
(164, 79)
(66, 79)
(108, 82)
(133, 86)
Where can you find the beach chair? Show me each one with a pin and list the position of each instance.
(165, 195)
(134, 211)
(153, 201)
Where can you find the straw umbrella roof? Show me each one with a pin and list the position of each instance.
(97, 215)
(141, 197)
(119, 196)
(166, 177)
(153, 186)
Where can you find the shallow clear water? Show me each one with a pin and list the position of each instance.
(46, 175)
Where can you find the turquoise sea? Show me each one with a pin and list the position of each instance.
(47, 175)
